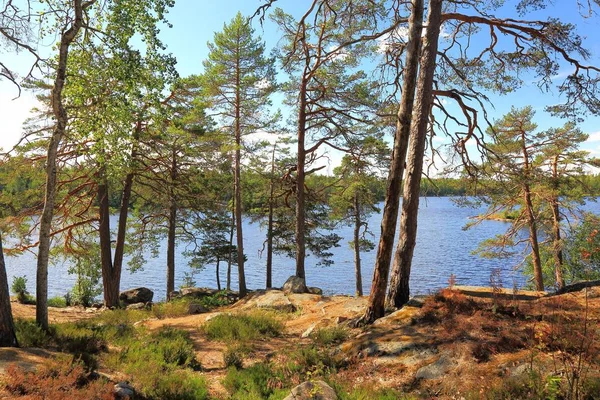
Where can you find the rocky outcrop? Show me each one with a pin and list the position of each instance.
(137, 295)
(123, 390)
(271, 299)
(317, 390)
(294, 284)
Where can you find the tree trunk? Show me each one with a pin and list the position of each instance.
(557, 241)
(110, 300)
(60, 115)
(232, 228)
(357, 225)
(237, 187)
(531, 221)
(7, 326)
(376, 305)
(171, 228)
(111, 269)
(300, 178)
(399, 285)
(218, 277)
(270, 224)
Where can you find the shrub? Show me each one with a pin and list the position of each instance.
(19, 288)
(58, 302)
(174, 308)
(156, 382)
(54, 380)
(259, 381)
(29, 334)
(243, 327)
(329, 336)
(233, 356)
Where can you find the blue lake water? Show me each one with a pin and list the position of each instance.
(443, 249)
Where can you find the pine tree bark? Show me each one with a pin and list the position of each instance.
(172, 228)
(237, 185)
(557, 241)
(60, 115)
(269, 283)
(376, 305)
(357, 266)
(300, 179)
(7, 326)
(531, 220)
(399, 283)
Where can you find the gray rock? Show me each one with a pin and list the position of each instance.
(137, 295)
(309, 331)
(436, 369)
(196, 293)
(317, 390)
(294, 284)
(137, 306)
(272, 299)
(194, 308)
(123, 390)
(416, 301)
(314, 290)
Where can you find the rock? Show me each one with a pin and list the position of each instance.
(97, 305)
(317, 390)
(416, 301)
(174, 294)
(272, 299)
(592, 293)
(123, 390)
(294, 284)
(137, 295)
(314, 290)
(91, 310)
(194, 308)
(196, 293)
(436, 369)
(309, 331)
(340, 320)
(137, 306)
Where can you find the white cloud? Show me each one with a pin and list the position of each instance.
(593, 137)
(13, 112)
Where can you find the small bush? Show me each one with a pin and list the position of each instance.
(19, 288)
(54, 380)
(29, 334)
(233, 356)
(156, 382)
(259, 381)
(171, 309)
(310, 360)
(58, 302)
(243, 327)
(329, 336)
(369, 393)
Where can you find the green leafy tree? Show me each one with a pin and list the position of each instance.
(238, 82)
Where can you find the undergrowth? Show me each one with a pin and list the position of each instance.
(243, 327)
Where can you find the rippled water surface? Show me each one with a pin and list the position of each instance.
(443, 248)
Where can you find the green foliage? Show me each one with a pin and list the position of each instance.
(368, 393)
(330, 336)
(243, 327)
(57, 301)
(87, 266)
(19, 287)
(582, 249)
(29, 334)
(234, 355)
(259, 381)
(156, 382)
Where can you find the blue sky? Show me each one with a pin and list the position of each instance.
(195, 21)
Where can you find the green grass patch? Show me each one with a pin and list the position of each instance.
(29, 334)
(329, 336)
(243, 327)
(58, 302)
(260, 381)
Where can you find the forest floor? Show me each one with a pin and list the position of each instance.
(463, 342)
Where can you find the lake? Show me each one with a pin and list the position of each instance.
(443, 249)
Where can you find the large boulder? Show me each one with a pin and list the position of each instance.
(294, 284)
(317, 390)
(271, 299)
(137, 295)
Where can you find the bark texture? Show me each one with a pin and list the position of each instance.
(557, 240)
(172, 228)
(376, 305)
(237, 184)
(60, 115)
(357, 266)
(399, 283)
(7, 326)
(300, 178)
